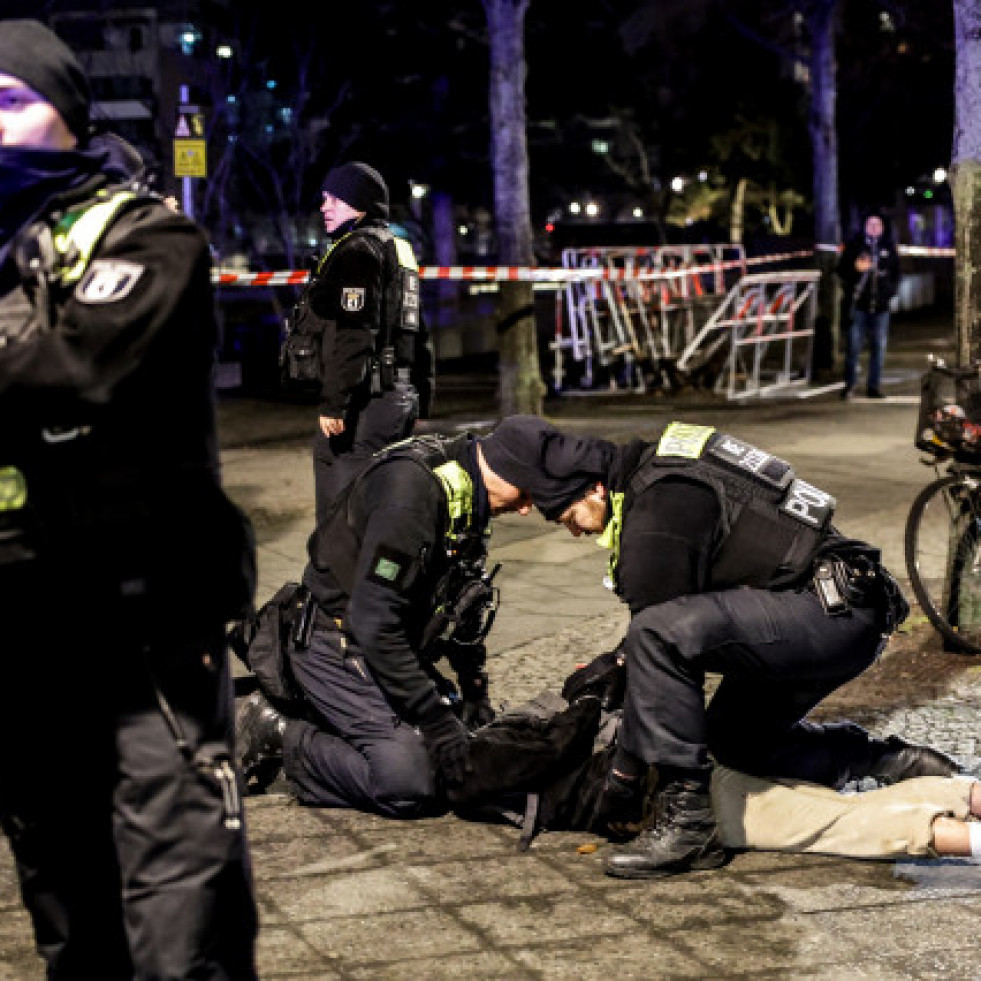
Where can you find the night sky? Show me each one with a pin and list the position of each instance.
(405, 86)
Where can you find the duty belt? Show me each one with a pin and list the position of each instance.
(840, 585)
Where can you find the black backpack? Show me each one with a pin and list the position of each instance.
(265, 639)
(537, 767)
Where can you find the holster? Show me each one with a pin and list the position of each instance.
(843, 582)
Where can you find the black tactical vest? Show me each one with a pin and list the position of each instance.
(50, 258)
(336, 544)
(301, 353)
(773, 522)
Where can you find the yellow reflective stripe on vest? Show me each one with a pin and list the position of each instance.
(407, 258)
(611, 536)
(77, 235)
(320, 265)
(459, 496)
(403, 250)
(684, 440)
(13, 489)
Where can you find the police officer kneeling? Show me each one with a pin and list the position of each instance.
(120, 558)
(729, 563)
(391, 577)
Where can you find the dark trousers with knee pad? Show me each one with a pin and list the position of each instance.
(358, 752)
(370, 424)
(779, 655)
(127, 859)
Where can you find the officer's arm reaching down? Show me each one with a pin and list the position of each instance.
(667, 550)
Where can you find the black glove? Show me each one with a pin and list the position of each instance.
(476, 709)
(468, 660)
(620, 806)
(477, 712)
(604, 678)
(448, 744)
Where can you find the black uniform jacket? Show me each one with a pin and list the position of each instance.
(347, 294)
(110, 417)
(872, 290)
(668, 537)
(399, 514)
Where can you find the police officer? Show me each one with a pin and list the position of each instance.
(120, 558)
(357, 329)
(397, 581)
(729, 563)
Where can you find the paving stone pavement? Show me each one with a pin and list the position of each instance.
(346, 895)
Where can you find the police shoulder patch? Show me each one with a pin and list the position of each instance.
(390, 567)
(352, 298)
(108, 281)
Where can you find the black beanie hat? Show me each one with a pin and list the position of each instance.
(360, 186)
(41, 60)
(556, 469)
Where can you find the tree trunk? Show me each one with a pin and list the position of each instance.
(520, 384)
(965, 179)
(736, 212)
(447, 312)
(824, 144)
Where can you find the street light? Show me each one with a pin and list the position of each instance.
(638, 212)
(224, 51)
(939, 175)
(418, 191)
(677, 184)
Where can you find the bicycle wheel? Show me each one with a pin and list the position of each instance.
(943, 557)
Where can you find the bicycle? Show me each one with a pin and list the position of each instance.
(943, 531)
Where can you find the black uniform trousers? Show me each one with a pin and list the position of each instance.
(126, 861)
(370, 424)
(779, 654)
(359, 753)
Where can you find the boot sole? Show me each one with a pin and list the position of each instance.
(699, 865)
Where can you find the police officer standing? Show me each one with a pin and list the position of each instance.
(120, 558)
(357, 330)
(729, 563)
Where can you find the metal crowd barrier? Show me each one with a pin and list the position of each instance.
(639, 323)
(764, 332)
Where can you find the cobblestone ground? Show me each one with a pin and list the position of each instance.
(917, 690)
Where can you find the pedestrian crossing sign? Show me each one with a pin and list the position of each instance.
(190, 158)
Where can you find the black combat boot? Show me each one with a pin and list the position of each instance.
(684, 838)
(259, 732)
(899, 760)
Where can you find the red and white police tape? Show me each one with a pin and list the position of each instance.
(919, 250)
(544, 274)
(512, 273)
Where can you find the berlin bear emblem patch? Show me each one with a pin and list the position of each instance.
(107, 281)
(352, 299)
